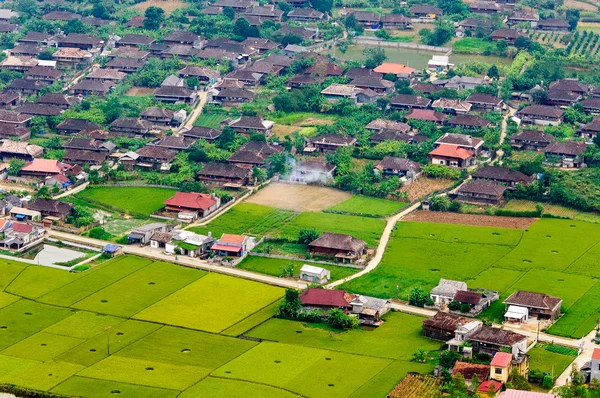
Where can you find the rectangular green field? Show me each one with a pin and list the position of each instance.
(83, 325)
(587, 264)
(253, 320)
(142, 200)
(581, 317)
(35, 281)
(410, 262)
(9, 271)
(364, 228)
(306, 371)
(24, 318)
(369, 206)
(274, 266)
(139, 290)
(13, 365)
(7, 299)
(546, 361)
(97, 347)
(386, 380)
(552, 245)
(499, 279)
(212, 303)
(187, 347)
(381, 342)
(246, 218)
(94, 388)
(212, 387)
(95, 279)
(452, 233)
(42, 346)
(145, 372)
(43, 376)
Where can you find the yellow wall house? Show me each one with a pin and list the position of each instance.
(501, 366)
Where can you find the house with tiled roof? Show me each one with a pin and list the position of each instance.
(489, 340)
(567, 154)
(155, 158)
(130, 126)
(442, 325)
(468, 370)
(502, 175)
(471, 143)
(254, 154)
(51, 208)
(10, 149)
(425, 11)
(198, 205)
(485, 102)
(224, 174)
(533, 139)
(452, 156)
(480, 192)
(397, 21)
(407, 101)
(326, 299)
(230, 245)
(427, 115)
(203, 133)
(74, 126)
(468, 121)
(398, 167)
(126, 64)
(539, 305)
(91, 87)
(43, 168)
(43, 73)
(328, 143)
(340, 247)
(401, 71)
(305, 15)
(554, 24)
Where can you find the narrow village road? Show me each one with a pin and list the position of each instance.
(511, 113)
(385, 238)
(197, 111)
(154, 254)
(582, 358)
(72, 191)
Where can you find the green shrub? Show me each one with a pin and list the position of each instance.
(454, 306)
(340, 320)
(547, 382)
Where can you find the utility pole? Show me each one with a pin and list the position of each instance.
(538, 331)
(108, 339)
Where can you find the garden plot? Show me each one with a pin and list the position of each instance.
(221, 301)
(139, 290)
(274, 267)
(298, 197)
(550, 358)
(42, 376)
(140, 200)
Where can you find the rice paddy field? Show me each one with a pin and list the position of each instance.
(138, 200)
(254, 219)
(365, 205)
(131, 327)
(556, 257)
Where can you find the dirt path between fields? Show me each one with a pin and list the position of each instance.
(470, 219)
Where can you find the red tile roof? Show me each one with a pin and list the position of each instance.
(43, 166)
(501, 359)
(191, 200)
(22, 228)
(326, 298)
(226, 248)
(425, 114)
(486, 386)
(596, 353)
(231, 238)
(451, 151)
(396, 69)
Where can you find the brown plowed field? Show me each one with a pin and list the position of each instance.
(470, 219)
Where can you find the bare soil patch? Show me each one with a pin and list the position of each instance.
(311, 121)
(281, 130)
(139, 91)
(580, 5)
(424, 186)
(297, 197)
(167, 5)
(470, 219)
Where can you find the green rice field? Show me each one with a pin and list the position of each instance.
(369, 206)
(138, 200)
(131, 327)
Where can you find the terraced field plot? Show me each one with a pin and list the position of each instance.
(86, 343)
(556, 257)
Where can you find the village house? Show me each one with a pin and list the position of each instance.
(369, 310)
(51, 208)
(591, 369)
(445, 291)
(262, 45)
(396, 21)
(538, 305)
(336, 92)
(472, 25)
(23, 214)
(428, 115)
(159, 117)
(91, 87)
(16, 132)
(184, 242)
(327, 143)
(61, 16)
(531, 140)
(80, 41)
(17, 235)
(127, 65)
(443, 325)
(480, 192)
(10, 149)
(178, 143)
(130, 126)
(562, 98)
(452, 106)
(155, 158)
(267, 12)
(485, 7)
(338, 246)
(90, 144)
(43, 73)
(77, 156)
(374, 83)
(58, 100)
(407, 101)
(42, 168)
(14, 118)
(225, 174)
(233, 96)
(391, 166)
(25, 49)
(203, 74)
(247, 125)
(503, 363)
(190, 206)
(175, 94)
(237, 5)
(9, 99)
(25, 86)
(508, 35)
(305, 15)
(254, 154)
(425, 12)
(179, 37)
(313, 274)
(231, 245)
(367, 18)
(501, 175)
(71, 57)
(468, 122)
(106, 75)
(591, 105)
(134, 40)
(36, 37)
(485, 102)
(380, 125)
(201, 133)
(36, 109)
(326, 68)
(468, 370)
(326, 299)
(554, 24)
(569, 154)
(489, 340)
(143, 233)
(523, 17)
(477, 299)
(74, 126)
(452, 156)
(473, 144)
(312, 172)
(590, 130)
